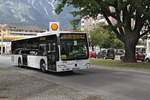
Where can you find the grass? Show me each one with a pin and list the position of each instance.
(120, 64)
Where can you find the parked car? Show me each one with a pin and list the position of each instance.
(106, 54)
(92, 54)
(138, 56)
(119, 51)
(147, 58)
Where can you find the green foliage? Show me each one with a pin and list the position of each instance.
(137, 10)
(104, 37)
(117, 44)
(75, 23)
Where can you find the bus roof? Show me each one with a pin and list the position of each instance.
(49, 33)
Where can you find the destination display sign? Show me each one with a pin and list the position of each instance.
(42, 38)
(72, 36)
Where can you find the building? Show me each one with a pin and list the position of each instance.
(148, 46)
(10, 32)
(88, 24)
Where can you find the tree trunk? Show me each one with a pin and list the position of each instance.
(130, 46)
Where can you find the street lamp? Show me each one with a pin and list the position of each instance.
(2, 39)
(2, 36)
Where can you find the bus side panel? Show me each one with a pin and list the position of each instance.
(34, 61)
(14, 59)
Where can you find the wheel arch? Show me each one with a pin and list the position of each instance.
(43, 61)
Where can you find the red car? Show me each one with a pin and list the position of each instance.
(92, 54)
(138, 56)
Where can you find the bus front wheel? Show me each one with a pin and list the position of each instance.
(43, 66)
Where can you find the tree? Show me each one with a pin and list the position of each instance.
(103, 37)
(75, 23)
(117, 44)
(100, 37)
(125, 17)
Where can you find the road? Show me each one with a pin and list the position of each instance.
(112, 84)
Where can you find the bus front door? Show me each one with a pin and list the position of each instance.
(51, 59)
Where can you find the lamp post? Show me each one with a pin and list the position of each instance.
(2, 39)
(2, 36)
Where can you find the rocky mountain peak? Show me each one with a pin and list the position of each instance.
(32, 12)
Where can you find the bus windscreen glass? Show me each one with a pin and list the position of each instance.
(73, 46)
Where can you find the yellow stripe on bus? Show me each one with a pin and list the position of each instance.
(12, 38)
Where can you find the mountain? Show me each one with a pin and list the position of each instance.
(33, 12)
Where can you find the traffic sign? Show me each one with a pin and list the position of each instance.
(54, 26)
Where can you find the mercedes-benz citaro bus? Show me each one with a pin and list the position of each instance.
(57, 52)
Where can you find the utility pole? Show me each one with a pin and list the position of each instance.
(2, 38)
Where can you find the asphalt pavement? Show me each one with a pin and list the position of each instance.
(111, 84)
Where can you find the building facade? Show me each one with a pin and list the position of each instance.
(148, 46)
(88, 24)
(12, 32)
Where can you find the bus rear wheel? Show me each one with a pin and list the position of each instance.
(43, 66)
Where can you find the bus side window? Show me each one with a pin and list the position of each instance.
(52, 47)
(15, 51)
(20, 52)
(42, 50)
(33, 52)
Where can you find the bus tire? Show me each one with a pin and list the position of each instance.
(19, 62)
(42, 66)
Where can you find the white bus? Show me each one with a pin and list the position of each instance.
(65, 51)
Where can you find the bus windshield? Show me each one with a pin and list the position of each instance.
(74, 49)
